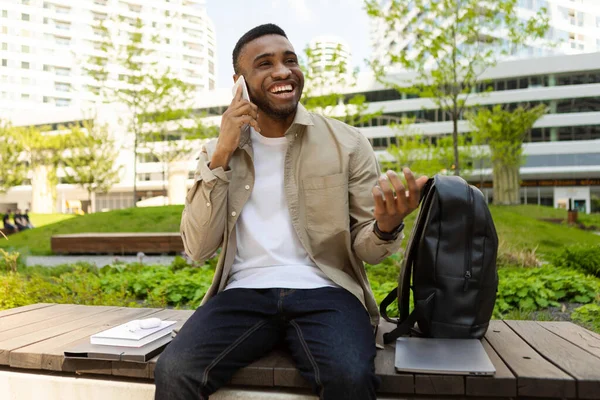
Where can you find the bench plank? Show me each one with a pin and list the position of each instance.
(564, 354)
(19, 310)
(286, 374)
(503, 383)
(32, 317)
(49, 354)
(392, 381)
(585, 339)
(439, 384)
(259, 373)
(117, 243)
(536, 377)
(39, 331)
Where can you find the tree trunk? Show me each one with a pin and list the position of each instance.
(135, 144)
(178, 174)
(506, 184)
(455, 142)
(42, 199)
(92, 200)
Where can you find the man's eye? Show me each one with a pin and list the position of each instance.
(291, 61)
(263, 64)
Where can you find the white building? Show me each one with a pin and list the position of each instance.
(563, 149)
(574, 26)
(44, 46)
(329, 52)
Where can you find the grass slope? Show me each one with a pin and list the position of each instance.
(147, 219)
(518, 228)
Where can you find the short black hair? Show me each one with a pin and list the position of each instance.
(254, 33)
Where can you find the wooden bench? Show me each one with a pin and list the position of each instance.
(7, 231)
(549, 360)
(117, 243)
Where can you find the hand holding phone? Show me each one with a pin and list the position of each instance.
(241, 82)
(240, 113)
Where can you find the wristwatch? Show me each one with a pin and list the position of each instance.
(388, 236)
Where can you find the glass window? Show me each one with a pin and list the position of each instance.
(25, 17)
(24, 65)
(511, 84)
(565, 133)
(523, 83)
(4, 62)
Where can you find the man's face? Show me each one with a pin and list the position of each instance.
(275, 81)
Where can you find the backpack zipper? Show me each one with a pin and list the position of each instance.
(469, 238)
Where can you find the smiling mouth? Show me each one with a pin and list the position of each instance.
(283, 91)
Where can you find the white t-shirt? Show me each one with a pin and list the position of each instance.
(269, 253)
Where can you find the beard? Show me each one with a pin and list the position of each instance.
(277, 113)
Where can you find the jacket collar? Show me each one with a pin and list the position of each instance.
(302, 117)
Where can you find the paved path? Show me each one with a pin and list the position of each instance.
(99, 261)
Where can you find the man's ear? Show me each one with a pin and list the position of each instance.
(235, 77)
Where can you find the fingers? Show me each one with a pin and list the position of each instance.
(245, 109)
(247, 120)
(413, 188)
(379, 203)
(388, 194)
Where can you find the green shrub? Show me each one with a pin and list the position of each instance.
(583, 258)
(537, 288)
(588, 315)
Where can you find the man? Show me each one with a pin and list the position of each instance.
(6, 221)
(20, 221)
(288, 195)
(26, 219)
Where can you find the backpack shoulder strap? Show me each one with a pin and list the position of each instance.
(403, 290)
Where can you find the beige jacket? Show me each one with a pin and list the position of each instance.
(330, 169)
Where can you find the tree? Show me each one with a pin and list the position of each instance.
(424, 155)
(325, 86)
(451, 43)
(43, 151)
(172, 138)
(13, 170)
(150, 92)
(504, 132)
(91, 164)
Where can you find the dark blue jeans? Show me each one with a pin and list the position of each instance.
(327, 331)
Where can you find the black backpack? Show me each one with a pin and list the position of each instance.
(451, 255)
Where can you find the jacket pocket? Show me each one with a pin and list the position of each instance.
(326, 202)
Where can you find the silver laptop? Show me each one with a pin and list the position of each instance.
(442, 356)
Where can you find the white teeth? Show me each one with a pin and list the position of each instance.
(281, 89)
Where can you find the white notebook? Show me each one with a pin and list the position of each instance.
(131, 335)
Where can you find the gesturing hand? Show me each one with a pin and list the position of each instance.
(392, 201)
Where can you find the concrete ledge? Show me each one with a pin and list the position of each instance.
(34, 386)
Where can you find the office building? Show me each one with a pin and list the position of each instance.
(45, 46)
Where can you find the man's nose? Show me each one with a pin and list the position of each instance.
(281, 71)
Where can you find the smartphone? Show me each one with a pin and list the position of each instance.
(241, 82)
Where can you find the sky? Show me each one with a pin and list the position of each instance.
(300, 19)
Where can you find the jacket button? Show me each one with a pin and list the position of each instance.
(247, 187)
(233, 214)
(207, 204)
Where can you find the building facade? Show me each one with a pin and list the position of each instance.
(562, 150)
(45, 46)
(574, 29)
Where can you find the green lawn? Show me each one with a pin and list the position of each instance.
(146, 219)
(518, 227)
(39, 220)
